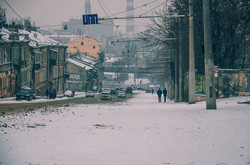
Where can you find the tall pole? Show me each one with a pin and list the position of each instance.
(176, 69)
(191, 79)
(209, 59)
(181, 75)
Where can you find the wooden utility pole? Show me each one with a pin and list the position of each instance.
(209, 59)
(191, 73)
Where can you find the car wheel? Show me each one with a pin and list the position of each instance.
(30, 98)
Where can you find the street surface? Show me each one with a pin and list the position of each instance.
(13, 106)
(137, 131)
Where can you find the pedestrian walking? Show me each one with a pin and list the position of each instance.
(165, 92)
(159, 93)
(54, 93)
(47, 93)
(152, 91)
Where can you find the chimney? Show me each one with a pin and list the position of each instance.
(130, 13)
(87, 7)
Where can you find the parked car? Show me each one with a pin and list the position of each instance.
(129, 90)
(26, 94)
(69, 93)
(113, 91)
(105, 95)
(148, 91)
(90, 93)
(121, 94)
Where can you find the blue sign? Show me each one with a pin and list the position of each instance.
(90, 19)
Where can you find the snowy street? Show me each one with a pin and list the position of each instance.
(140, 131)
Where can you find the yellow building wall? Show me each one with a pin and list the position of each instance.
(84, 45)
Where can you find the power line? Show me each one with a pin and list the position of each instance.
(153, 8)
(134, 8)
(110, 20)
(13, 9)
(106, 7)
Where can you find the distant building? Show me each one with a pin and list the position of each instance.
(84, 73)
(105, 28)
(84, 45)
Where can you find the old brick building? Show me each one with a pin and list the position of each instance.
(29, 59)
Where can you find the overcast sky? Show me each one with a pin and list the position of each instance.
(53, 12)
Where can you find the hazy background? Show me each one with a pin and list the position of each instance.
(53, 12)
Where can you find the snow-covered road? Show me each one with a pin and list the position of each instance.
(140, 131)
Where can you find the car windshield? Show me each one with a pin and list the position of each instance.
(107, 93)
(24, 91)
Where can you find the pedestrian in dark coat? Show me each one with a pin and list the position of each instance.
(54, 93)
(152, 91)
(159, 93)
(165, 92)
(47, 93)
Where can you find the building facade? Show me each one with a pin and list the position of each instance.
(30, 60)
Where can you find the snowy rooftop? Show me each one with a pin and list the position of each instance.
(35, 38)
(86, 67)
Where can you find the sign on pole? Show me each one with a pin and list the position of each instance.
(90, 19)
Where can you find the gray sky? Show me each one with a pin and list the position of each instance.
(53, 12)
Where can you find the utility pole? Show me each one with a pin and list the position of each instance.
(176, 69)
(209, 59)
(181, 75)
(191, 73)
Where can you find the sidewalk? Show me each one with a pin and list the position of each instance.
(12, 100)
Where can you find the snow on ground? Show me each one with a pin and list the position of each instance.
(140, 131)
(12, 100)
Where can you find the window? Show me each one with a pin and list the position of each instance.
(94, 47)
(82, 43)
(38, 57)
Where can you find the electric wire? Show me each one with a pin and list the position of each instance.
(152, 9)
(13, 9)
(117, 26)
(110, 20)
(106, 7)
(133, 8)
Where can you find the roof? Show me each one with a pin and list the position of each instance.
(35, 39)
(73, 61)
(87, 38)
